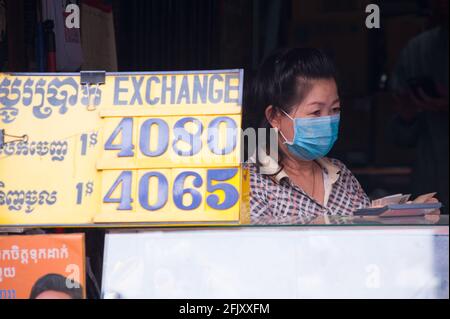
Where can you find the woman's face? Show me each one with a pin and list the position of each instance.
(321, 100)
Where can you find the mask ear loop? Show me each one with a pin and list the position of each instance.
(286, 141)
(286, 114)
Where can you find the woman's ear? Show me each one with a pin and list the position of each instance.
(273, 116)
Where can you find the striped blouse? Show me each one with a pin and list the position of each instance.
(276, 200)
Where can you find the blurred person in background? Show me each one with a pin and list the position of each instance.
(420, 86)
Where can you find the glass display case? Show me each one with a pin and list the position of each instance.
(340, 258)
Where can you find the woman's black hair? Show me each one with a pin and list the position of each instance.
(55, 282)
(284, 79)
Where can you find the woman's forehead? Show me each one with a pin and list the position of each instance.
(321, 93)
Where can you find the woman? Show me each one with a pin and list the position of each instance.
(298, 93)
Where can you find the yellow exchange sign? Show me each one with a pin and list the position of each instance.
(147, 148)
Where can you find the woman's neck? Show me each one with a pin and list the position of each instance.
(296, 166)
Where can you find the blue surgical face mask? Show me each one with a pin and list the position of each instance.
(313, 137)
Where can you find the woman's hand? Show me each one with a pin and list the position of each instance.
(434, 216)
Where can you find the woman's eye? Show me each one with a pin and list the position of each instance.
(316, 113)
(336, 110)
